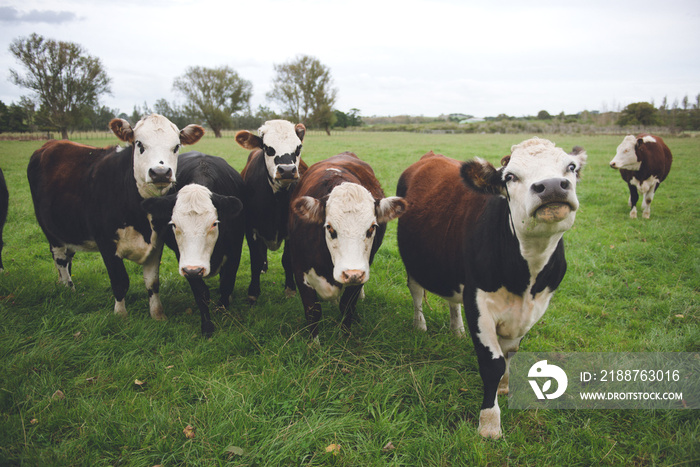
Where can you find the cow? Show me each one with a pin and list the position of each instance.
(270, 174)
(490, 239)
(89, 199)
(200, 222)
(4, 204)
(337, 223)
(644, 162)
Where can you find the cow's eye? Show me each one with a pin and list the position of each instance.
(572, 167)
(215, 224)
(331, 231)
(269, 151)
(139, 145)
(371, 230)
(176, 149)
(173, 226)
(510, 178)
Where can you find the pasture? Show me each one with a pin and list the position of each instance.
(80, 386)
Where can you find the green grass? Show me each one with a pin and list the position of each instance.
(257, 394)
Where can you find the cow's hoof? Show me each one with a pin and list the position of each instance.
(252, 300)
(490, 423)
(289, 293)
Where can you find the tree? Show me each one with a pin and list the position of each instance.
(543, 115)
(639, 113)
(214, 94)
(66, 80)
(303, 87)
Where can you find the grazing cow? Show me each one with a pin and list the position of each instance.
(89, 199)
(337, 223)
(206, 231)
(271, 173)
(4, 204)
(644, 162)
(490, 239)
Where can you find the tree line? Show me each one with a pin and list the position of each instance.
(67, 83)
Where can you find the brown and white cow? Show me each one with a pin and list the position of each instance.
(271, 173)
(490, 239)
(89, 199)
(644, 162)
(337, 223)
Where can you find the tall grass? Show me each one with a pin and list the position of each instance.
(257, 394)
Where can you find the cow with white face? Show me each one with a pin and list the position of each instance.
(273, 169)
(490, 239)
(201, 222)
(89, 199)
(644, 162)
(338, 220)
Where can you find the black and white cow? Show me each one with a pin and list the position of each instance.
(273, 168)
(4, 205)
(644, 162)
(201, 223)
(89, 199)
(490, 239)
(338, 220)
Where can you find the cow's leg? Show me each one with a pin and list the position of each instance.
(492, 364)
(507, 346)
(634, 197)
(63, 260)
(289, 286)
(417, 293)
(456, 323)
(312, 307)
(258, 265)
(118, 276)
(348, 303)
(151, 277)
(201, 297)
(648, 190)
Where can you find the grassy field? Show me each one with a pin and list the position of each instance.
(79, 386)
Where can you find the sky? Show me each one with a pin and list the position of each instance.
(386, 57)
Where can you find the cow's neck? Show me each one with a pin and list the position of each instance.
(537, 250)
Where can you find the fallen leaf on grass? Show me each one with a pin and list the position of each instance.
(333, 448)
(234, 451)
(169, 367)
(680, 316)
(139, 382)
(389, 447)
(58, 395)
(33, 421)
(189, 432)
(91, 379)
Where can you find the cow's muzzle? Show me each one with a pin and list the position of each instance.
(555, 199)
(287, 172)
(352, 277)
(192, 272)
(161, 175)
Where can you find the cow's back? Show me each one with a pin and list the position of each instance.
(59, 179)
(431, 233)
(210, 171)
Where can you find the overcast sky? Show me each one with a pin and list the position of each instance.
(417, 57)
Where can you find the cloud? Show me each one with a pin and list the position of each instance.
(12, 15)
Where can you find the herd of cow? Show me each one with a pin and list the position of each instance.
(485, 237)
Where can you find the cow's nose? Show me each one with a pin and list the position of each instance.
(287, 171)
(160, 174)
(192, 272)
(552, 188)
(353, 277)
(613, 165)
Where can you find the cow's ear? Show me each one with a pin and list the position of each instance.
(309, 209)
(161, 210)
(390, 208)
(191, 134)
(482, 176)
(300, 129)
(248, 140)
(122, 130)
(227, 207)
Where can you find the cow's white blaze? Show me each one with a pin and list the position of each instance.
(280, 139)
(626, 156)
(534, 164)
(350, 226)
(195, 223)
